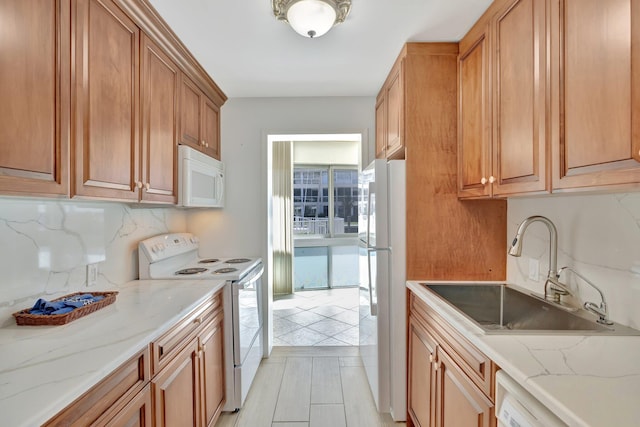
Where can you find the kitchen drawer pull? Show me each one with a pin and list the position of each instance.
(197, 320)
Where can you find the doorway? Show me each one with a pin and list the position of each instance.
(320, 305)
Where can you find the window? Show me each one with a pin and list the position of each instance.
(317, 214)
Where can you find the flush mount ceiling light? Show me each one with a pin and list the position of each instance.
(311, 18)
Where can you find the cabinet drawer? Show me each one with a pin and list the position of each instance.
(472, 361)
(116, 389)
(169, 345)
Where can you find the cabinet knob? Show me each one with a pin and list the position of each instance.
(202, 143)
(483, 181)
(197, 320)
(139, 184)
(147, 186)
(492, 179)
(431, 358)
(436, 366)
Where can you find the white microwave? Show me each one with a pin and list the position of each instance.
(200, 179)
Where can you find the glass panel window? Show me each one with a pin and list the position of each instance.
(310, 204)
(345, 205)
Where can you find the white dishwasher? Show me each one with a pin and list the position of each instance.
(516, 407)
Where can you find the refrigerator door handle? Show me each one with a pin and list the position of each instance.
(373, 307)
(372, 189)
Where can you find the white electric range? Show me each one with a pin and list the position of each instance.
(175, 256)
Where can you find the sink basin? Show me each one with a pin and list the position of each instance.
(499, 309)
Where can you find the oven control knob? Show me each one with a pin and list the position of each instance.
(194, 239)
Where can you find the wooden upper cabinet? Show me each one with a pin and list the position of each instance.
(200, 120)
(395, 109)
(596, 90)
(106, 104)
(381, 127)
(503, 108)
(474, 114)
(34, 112)
(190, 113)
(521, 104)
(160, 83)
(390, 138)
(211, 128)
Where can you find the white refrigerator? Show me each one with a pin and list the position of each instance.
(382, 235)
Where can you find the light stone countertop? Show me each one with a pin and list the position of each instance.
(585, 380)
(45, 368)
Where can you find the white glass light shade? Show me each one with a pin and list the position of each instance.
(311, 18)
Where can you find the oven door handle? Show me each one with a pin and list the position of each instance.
(251, 277)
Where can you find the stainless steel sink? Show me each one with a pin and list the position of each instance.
(499, 309)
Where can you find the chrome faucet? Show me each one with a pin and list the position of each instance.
(553, 289)
(601, 310)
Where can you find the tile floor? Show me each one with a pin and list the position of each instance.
(309, 387)
(316, 318)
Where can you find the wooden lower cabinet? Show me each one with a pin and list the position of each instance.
(137, 413)
(212, 371)
(444, 388)
(175, 390)
(460, 403)
(184, 388)
(422, 352)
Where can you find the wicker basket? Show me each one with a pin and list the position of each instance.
(23, 317)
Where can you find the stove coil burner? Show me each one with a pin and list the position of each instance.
(208, 261)
(188, 271)
(237, 260)
(225, 270)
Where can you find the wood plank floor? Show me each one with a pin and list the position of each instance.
(309, 387)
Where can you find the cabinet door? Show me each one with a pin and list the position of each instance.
(520, 98)
(106, 104)
(34, 137)
(474, 115)
(421, 382)
(210, 128)
(460, 403)
(394, 99)
(212, 371)
(596, 135)
(381, 127)
(175, 390)
(137, 413)
(159, 124)
(190, 106)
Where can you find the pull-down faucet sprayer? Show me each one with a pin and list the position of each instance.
(552, 283)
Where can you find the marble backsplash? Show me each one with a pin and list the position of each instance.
(47, 244)
(598, 235)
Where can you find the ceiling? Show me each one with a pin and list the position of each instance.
(251, 54)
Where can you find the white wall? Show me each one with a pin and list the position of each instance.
(241, 228)
(598, 235)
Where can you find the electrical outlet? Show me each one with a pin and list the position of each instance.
(92, 274)
(534, 269)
